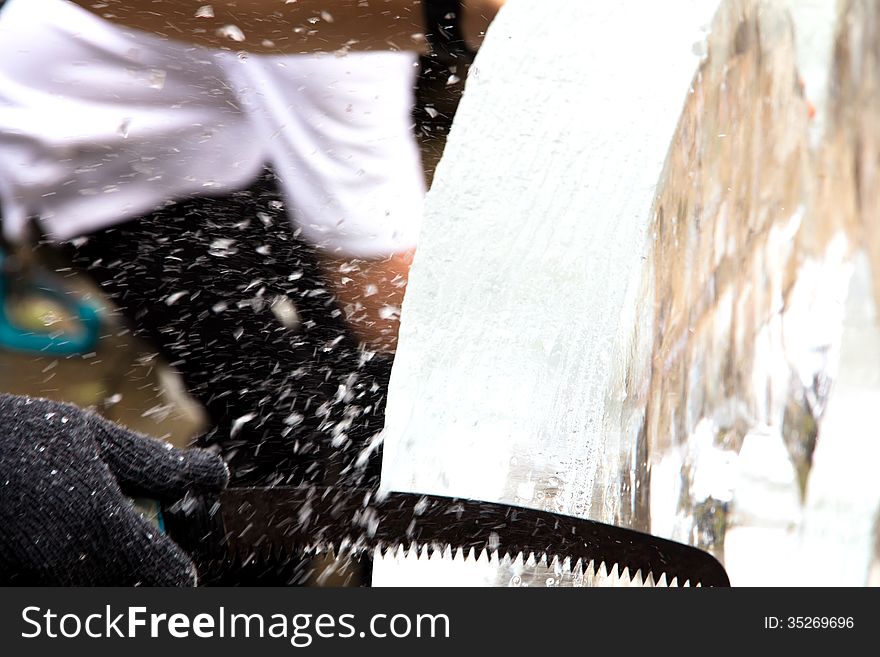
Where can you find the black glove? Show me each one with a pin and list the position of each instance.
(63, 517)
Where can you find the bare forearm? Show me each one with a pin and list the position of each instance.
(370, 293)
(274, 26)
(290, 26)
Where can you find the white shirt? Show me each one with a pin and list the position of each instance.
(100, 124)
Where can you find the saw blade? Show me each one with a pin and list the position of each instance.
(271, 523)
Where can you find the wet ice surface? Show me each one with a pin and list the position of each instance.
(512, 396)
(496, 386)
(839, 525)
(714, 386)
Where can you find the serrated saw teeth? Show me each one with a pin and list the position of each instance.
(278, 522)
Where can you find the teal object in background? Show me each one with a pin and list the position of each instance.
(151, 510)
(17, 338)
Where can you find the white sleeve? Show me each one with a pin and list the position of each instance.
(99, 124)
(340, 135)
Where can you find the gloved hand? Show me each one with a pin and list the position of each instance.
(64, 519)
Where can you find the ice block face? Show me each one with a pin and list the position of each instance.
(632, 284)
(522, 298)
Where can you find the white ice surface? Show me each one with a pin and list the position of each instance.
(521, 304)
